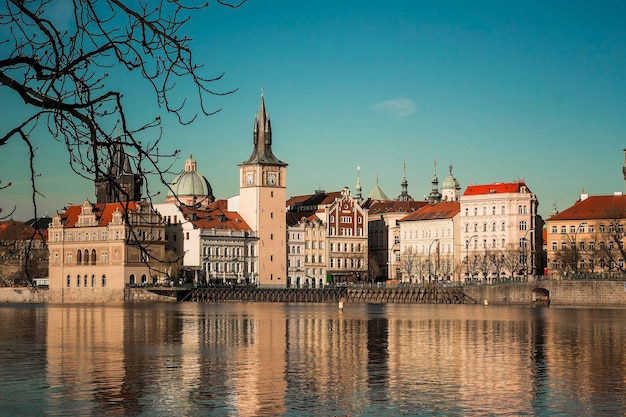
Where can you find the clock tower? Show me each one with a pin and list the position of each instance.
(262, 200)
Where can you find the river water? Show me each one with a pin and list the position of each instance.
(272, 359)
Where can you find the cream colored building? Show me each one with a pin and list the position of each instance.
(429, 244)
(500, 219)
(95, 252)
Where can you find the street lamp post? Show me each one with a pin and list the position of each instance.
(525, 240)
(467, 252)
(429, 263)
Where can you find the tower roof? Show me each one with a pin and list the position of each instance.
(377, 193)
(262, 140)
(450, 182)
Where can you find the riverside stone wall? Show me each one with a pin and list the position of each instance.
(564, 293)
(574, 293)
(23, 295)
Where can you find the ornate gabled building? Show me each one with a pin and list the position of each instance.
(97, 250)
(347, 231)
(190, 188)
(262, 196)
(335, 236)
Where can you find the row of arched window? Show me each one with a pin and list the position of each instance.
(86, 281)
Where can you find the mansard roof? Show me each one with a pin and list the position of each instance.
(215, 216)
(497, 188)
(595, 207)
(437, 211)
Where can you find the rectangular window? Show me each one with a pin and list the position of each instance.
(553, 229)
(554, 246)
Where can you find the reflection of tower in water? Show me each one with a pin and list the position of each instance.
(377, 355)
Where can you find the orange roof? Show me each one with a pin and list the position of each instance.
(495, 188)
(14, 230)
(103, 212)
(319, 198)
(437, 211)
(215, 216)
(595, 207)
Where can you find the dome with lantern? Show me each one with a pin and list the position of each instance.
(190, 187)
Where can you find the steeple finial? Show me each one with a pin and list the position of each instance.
(435, 195)
(359, 189)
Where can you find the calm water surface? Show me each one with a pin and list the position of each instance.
(269, 359)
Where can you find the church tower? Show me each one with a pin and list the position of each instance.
(435, 195)
(119, 184)
(262, 202)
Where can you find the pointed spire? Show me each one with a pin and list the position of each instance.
(554, 211)
(435, 195)
(404, 185)
(262, 138)
(358, 188)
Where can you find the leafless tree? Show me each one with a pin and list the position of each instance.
(22, 253)
(446, 267)
(411, 265)
(484, 264)
(497, 262)
(64, 66)
(373, 267)
(512, 260)
(614, 251)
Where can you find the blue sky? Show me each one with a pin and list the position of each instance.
(500, 90)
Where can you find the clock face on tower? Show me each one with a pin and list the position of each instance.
(249, 178)
(271, 178)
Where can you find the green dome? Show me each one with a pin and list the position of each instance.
(189, 183)
(450, 182)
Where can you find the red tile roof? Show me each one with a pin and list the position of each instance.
(103, 212)
(12, 230)
(437, 211)
(496, 188)
(215, 216)
(595, 207)
(319, 198)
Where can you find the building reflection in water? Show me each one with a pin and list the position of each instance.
(272, 359)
